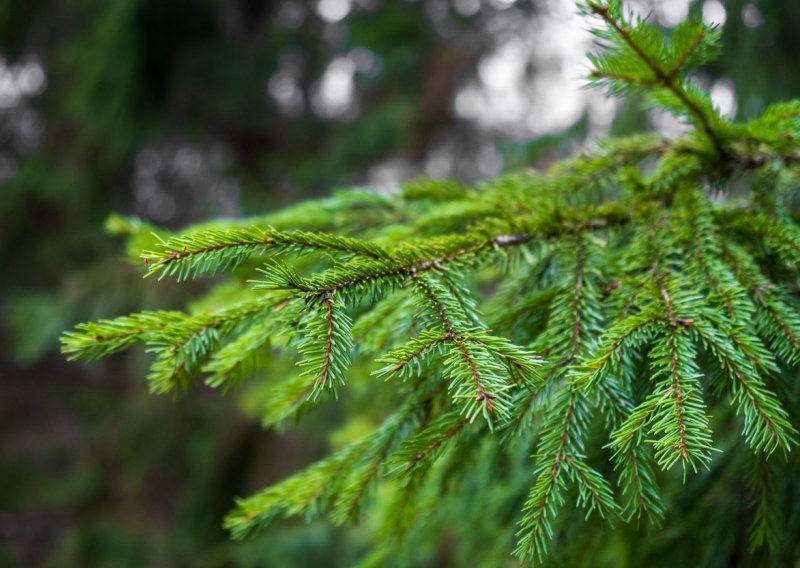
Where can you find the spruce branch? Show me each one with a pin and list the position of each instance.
(628, 333)
(414, 458)
(632, 460)
(594, 492)
(241, 357)
(326, 344)
(688, 40)
(767, 486)
(180, 354)
(609, 309)
(611, 14)
(476, 378)
(405, 360)
(546, 496)
(303, 493)
(214, 250)
(679, 419)
(706, 254)
(96, 340)
(776, 314)
(767, 426)
(349, 500)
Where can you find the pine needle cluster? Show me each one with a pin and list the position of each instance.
(581, 336)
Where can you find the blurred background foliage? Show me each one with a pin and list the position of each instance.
(181, 111)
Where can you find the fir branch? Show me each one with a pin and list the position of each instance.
(777, 321)
(665, 78)
(627, 438)
(767, 425)
(241, 357)
(470, 364)
(689, 49)
(632, 461)
(405, 361)
(374, 329)
(483, 399)
(96, 340)
(638, 484)
(451, 252)
(301, 493)
(632, 332)
(417, 454)
(181, 353)
(574, 318)
(522, 363)
(535, 305)
(766, 483)
(326, 344)
(434, 190)
(594, 492)
(519, 423)
(545, 496)
(780, 235)
(349, 500)
(679, 416)
(214, 250)
(181, 342)
(287, 400)
(580, 266)
(630, 286)
(697, 229)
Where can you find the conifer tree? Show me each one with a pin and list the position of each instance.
(538, 356)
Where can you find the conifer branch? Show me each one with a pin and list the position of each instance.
(463, 368)
(327, 344)
(767, 425)
(678, 395)
(776, 321)
(295, 495)
(632, 331)
(703, 239)
(95, 340)
(594, 493)
(687, 52)
(405, 361)
(766, 526)
(417, 454)
(679, 416)
(580, 260)
(627, 306)
(665, 78)
(383, 441)
(213, 250)
(543, 498)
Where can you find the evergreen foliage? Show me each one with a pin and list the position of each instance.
(631, 318)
